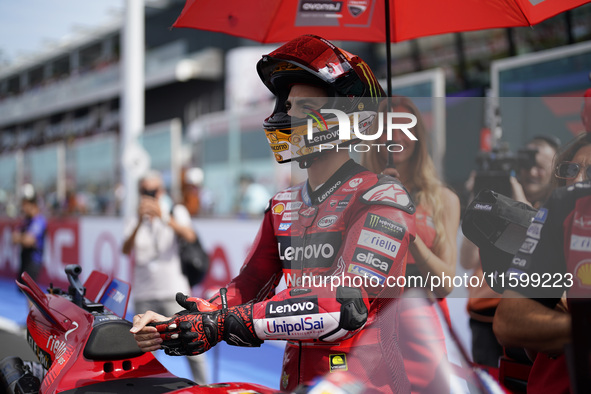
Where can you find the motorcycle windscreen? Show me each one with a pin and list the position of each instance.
(116, 297)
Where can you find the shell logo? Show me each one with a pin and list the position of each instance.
(583, 273)
(278, 208)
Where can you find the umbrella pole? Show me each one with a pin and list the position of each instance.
(388, 50)
(389, 163)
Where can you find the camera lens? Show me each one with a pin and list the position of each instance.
(150, 193)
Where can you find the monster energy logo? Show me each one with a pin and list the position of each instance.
(385, 225)
(373, 220)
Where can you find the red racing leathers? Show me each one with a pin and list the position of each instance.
(353, 231)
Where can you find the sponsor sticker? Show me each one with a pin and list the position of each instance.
(316, 250)
(534, 230)
(372, 259)
(286, 196)
(338, 203)
(293, 326)
(353, 183)
(541, 215)
(384, 225)
(327, 221)
(337, 362)
(580, 243)
(308, 212)
(290, 216)
(293, 205)
(514, 270)
(284, 226)
(321, 6)
(330, 191)
(278, 208)
(519, 262)
(389, 193)
(583, 273)
(279, 147)
(356, 269)
(529, 245)
(323, 138)
(292, 306)
(378, 242)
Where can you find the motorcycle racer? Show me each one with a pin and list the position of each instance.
(336, 240)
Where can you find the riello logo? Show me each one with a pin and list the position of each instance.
(345, 129)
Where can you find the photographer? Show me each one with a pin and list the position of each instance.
(532, 187)
(157, 269)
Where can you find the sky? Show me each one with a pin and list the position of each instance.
(29, 26)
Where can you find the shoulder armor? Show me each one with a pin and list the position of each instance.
(389, 191)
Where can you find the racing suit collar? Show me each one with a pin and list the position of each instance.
(342, 175)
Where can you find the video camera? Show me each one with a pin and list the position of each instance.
(496, 167)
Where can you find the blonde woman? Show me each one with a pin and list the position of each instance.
(438, 208)
(434, 251)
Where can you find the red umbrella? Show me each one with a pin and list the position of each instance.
(269, 21)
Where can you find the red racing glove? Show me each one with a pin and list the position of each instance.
(192, 332)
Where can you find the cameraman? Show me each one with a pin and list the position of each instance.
(533, 186)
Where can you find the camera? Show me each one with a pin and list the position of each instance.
(496, 167)
(149, 193)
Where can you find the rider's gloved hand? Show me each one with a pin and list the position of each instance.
(194, 331)
(194, 304)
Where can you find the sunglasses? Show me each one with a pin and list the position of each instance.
(570, 170)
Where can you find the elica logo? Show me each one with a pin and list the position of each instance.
(375, 260)
(345, 128)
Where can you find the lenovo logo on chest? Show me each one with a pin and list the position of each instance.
(317, 250)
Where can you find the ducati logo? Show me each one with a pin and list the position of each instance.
(357, 7)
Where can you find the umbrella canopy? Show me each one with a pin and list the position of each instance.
(269, 21)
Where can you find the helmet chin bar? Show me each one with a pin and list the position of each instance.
(307, 161)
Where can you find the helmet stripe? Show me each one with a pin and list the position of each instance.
(371, 78)
(314, 112)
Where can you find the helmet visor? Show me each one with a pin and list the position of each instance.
(313, 53)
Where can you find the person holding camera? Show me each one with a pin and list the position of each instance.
(532, 186)
(537, 316)
(152, 236)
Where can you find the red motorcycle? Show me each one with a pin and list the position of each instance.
(85, 346)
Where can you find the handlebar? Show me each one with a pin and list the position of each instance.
(76, 289)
